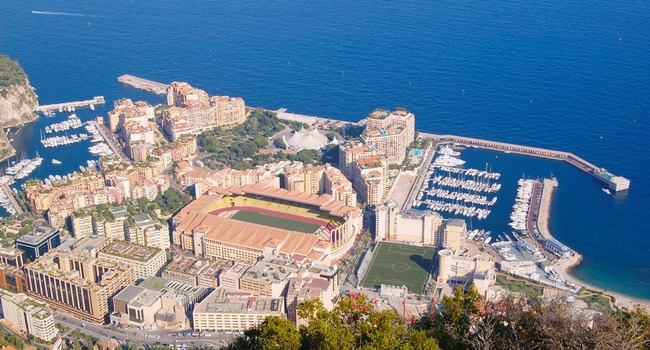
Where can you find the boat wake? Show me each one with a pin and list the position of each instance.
(51, 13)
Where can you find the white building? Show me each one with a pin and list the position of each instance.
(29, 316)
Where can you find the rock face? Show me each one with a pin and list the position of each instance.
(17, 101)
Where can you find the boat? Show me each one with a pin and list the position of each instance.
(56, 162)
(606, 190)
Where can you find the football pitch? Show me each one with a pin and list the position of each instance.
(399, 264)
(273, 221)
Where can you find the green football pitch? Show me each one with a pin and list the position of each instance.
(273, 221)
(399, 265)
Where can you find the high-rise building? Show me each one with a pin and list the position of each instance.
(148, 232)
(370, 179)
(29, 316)
(390, 133)
(76, 283)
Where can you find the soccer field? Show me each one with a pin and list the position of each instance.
(399, 264)
(273, 221)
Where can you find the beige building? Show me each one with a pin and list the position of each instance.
(195, 271)
(145, 261)
(112, 225)
(323, 179)
(268, 277)
(29, 316)
(418, 226)
(390, 133)
(234, 311)
(391, 224)
(230, 277)
(370, 179)
(350, 152)
(228, 111)
(312, 283)
(456, 270)
(148, 232)
(77, 283)
(82, 225)
(182, 94)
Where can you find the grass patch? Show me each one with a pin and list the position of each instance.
(597, 302)
(399, 264)
(519, 286)
(272, 221)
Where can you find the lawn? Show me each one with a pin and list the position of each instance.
(519, 286)
(399, 264)
(272, 221)
(597, 302)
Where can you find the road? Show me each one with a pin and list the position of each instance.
(422, 175)
(112, 141)
(123, 336)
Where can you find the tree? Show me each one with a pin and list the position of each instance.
(278, 333)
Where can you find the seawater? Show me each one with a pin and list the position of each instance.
(567, 76)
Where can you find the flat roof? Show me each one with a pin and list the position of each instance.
(131, 251)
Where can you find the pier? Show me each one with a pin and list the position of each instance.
(5, 188)
(616, 183)
(143, 84)
(112, 142)
(97, 100)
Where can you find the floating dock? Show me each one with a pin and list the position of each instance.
(615, 183)
(143, 84)
(97, 100)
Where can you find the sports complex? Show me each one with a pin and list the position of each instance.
(399, 265)
(246, 222)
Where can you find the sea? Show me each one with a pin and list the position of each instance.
(565, 75)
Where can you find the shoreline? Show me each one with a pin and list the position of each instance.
(564, 265)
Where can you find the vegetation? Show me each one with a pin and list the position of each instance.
(519, 286)
(463, 321)
(10, 73)
(239, 147)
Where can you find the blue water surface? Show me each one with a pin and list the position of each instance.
(563, 75)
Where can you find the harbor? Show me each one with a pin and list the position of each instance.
(70, 106)
(456, 191)
(615, 183)
(143, 84)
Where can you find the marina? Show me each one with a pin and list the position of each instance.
(143, 84)
(57, 141)
(73, 122)
(457, 191)
(615, 183)
(69, 106)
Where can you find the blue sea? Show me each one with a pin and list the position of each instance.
(571, 76)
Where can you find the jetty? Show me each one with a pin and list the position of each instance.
(10, 195)
(97, 100)
(111, 140)
(143, 84)
(615, 183)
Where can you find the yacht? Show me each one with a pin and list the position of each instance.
(606, 190)
(56, 162)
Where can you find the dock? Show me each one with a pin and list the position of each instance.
(112, 142)
(97, 100)
(615, 183)
(143, 84)
(5, 188)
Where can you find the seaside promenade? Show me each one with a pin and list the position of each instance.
(5, 188)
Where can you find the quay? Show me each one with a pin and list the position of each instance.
(97, 100)
(10, 195)
(616, 183)
(308, 119)
(143, 84)
(112, 142)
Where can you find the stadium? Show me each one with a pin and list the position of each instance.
(244, 223)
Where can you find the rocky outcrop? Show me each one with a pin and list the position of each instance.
(17, 101)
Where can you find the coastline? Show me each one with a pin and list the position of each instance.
(563, 266)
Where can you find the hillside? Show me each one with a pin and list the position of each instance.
(17, 101)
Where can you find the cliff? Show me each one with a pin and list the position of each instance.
(17, 101)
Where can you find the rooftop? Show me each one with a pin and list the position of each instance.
(237, 301)
(38, 235)
(271, 270)
(131, 251)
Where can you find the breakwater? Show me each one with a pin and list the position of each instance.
(616, 183)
